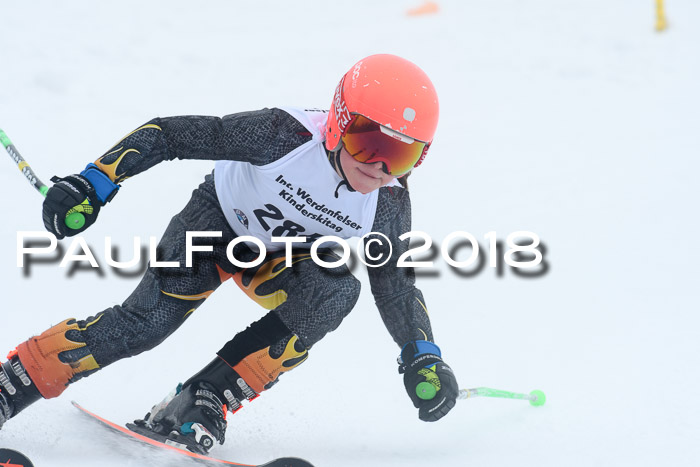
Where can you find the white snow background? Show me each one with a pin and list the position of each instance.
(572, 119)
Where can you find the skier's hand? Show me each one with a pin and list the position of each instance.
(83, 193)
(429, 381)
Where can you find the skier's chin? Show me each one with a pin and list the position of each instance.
(364, 183)
(366, 188)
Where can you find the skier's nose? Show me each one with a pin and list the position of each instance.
(379, 167)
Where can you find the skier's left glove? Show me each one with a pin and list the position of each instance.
(84, 193)
(429, 381)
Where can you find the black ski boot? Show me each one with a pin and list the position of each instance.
(16, 389)
(193, 416)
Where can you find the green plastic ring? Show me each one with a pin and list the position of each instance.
(75, 221)
(539, 400)
(425, 391)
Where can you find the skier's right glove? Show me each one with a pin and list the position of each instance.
(429, 381)
(83, 193)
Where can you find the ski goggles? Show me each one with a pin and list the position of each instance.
(369, 142)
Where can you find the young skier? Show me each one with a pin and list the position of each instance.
(279, 173)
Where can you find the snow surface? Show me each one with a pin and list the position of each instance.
(572, 119)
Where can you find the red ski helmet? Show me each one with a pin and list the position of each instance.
(393, 93)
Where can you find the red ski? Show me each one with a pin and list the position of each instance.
(206, 460)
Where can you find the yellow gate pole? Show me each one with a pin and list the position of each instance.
(661, 23)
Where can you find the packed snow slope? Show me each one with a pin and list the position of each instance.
(574, 120)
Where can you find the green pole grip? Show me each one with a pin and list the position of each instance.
(4, 139)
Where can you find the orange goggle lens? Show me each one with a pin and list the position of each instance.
(367, 143)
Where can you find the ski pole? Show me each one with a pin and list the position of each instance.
(536, 397)
(427, 391)
(74, 220)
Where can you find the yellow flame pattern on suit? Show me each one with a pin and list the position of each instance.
(111, 168)
(423, 306)
(195, 297)
(40, 357)
(191, 298)
(259, 369)
(267, 271)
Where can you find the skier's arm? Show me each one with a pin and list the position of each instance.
(258, 137)
(429, 381)
(401, 305)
